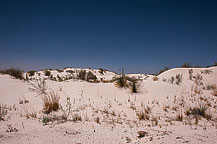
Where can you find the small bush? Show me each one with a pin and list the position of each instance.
(178, 79)
(47, 73)
(198, 78)
(190, 71)
(50, 102)
(142, 115)
(14, 72)
(134, 86)
(91, 77)
(39, 86)
(47, 119)
(66, 112)
(81, 75)
(186, 65)
(200, 111)
(172, 80)
(101, 71)
(121, 82)
(31, 73)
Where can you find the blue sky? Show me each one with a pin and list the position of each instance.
(139, 35)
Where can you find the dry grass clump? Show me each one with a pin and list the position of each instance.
(144, 114)
(199, 111)
(155, 78)
(50, 102)
(31, 114)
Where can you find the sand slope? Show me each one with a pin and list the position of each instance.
(117, 109)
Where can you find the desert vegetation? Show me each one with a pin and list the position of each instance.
(50, 102)
(135, 102)
(14, 72)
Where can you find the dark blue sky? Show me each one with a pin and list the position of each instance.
(139, 35)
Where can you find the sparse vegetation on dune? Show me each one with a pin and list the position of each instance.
(155, 78)
(121, 82)
(31, 73)
(158, 103)
(50, 102)
(39, 86)
(14, 72)
(186, 65)
(134, 86)
(47, 73)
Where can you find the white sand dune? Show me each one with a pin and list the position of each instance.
(116, 109)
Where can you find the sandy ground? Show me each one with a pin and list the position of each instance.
(110, 114)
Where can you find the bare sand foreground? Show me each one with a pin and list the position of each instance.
(177, 106)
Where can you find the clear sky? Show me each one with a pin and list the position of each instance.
(139, 35)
